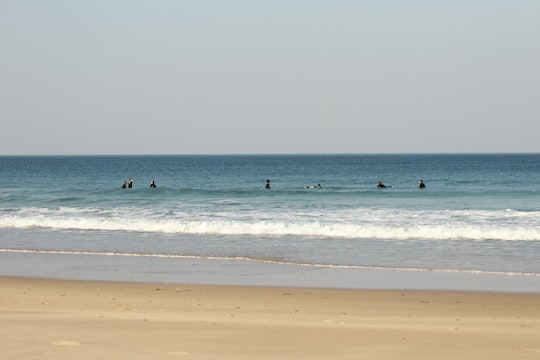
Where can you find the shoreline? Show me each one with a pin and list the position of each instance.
(61, 319)
(245, 273)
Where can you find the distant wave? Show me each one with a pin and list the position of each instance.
(258, 260)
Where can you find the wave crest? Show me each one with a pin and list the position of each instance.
(380, 224)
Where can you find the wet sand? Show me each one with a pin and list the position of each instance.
(55, 319)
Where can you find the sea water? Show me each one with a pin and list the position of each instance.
(210, 219)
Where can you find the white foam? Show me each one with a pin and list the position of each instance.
(359, 223)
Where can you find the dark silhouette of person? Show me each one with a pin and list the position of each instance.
(130, 184)
(267, 184)
(124, 184)
(380, 185)
(421, 184)
(152, 184)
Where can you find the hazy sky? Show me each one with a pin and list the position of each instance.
(200, 77)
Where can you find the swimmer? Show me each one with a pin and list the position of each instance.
(380, 185)
(267, 184)
(421, 184)
(124, 184)
(130, 184)
(152, 184)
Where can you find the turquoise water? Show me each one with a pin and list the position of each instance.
(479, 214)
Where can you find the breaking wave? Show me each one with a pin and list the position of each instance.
(372, 224)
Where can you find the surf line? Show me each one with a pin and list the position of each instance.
(260, 260)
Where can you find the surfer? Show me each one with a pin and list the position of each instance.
(421, 184)
(152, 184)
(267, 184)
(124, 183)
(380, 185)
(130, 184)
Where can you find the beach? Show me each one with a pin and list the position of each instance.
(254, 180)
(65, 319)
(212, 265)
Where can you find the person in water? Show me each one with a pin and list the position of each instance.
(152, 184)
(124, 184)
(267, 184)
(421, 184)
(130, 184)
(380, 185)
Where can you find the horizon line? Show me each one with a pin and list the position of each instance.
(276, 154)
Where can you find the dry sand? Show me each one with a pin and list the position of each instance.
(50, 319)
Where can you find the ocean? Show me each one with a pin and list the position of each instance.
(475, 226)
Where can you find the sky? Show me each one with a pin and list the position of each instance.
(269, 77)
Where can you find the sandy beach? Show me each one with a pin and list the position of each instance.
(55, 319)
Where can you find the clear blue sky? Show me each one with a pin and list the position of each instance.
(184, 77)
